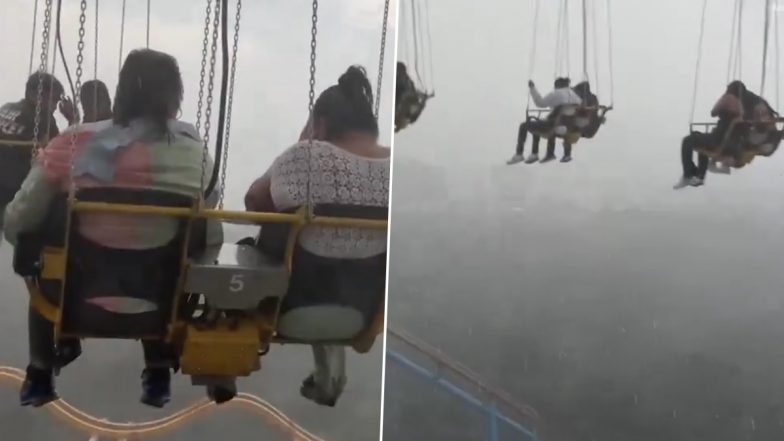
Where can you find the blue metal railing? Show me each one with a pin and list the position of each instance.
(496, 417)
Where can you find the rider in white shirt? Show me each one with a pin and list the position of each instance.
(560, 96)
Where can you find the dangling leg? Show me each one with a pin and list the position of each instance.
(325, 385)
(522, 133)
(550, 155)
(156, 377)
(702, 167)
(567, 151)
(690, 170)
(534, 150)
(38, 387)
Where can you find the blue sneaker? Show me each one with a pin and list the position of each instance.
(156, 387)
(38, 387)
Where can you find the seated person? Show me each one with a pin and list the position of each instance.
(148, 149)
(409, 102)
(96, 103)
(583, 90)
(17, 123)
(562, 95)
(348, 167)
(728, 108)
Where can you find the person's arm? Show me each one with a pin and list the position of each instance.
(30, 205)
(726, 105)
(259, 197)
(537, 98)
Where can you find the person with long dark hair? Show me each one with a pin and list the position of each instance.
(142, 146)
(344, 165)
(96, 103)
(736, 102)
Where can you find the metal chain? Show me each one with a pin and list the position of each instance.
(42, 69)
(312, 95)
(122, 38)
(230, 103)
(148, 24)
(210, 88)
(205, 45)
(95, 62)
(32, 39)
(78, 83)
(381, 58)
(95, 48)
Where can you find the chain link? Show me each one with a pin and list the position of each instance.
(42, 69)
(230, 103)
(122, 39)
(210, 88)
(312, 95)
(381, 58)
(78, 83)
(205, 45)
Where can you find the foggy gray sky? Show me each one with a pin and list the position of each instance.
(481, 53)
(271, 90)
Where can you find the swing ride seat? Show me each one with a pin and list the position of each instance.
(140, 294)
(748, 138)
(412, 103)
(329, 300)
(569, 122)
(104, 292)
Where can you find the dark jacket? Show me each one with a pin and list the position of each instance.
(17, 123)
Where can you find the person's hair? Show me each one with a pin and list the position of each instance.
(95, 95)
(150, 87)
(736, 88)
(747, 97)
(31, 87)
(348, 105)
(562, 82)
(582, 87)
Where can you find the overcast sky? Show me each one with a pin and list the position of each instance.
(271, 94)
(481, 57)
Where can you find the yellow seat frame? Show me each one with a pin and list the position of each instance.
(570, 137)
(715, 152)
(225, 349)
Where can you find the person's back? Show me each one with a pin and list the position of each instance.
(337, 176)
(152, 160)
(142, 147)
(561, 95)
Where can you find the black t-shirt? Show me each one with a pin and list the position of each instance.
(17, 123)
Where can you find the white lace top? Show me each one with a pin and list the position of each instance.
(336, 176)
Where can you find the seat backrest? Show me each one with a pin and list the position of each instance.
(319, 280)
(119, 293)
(273, 237)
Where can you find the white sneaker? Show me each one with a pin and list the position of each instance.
(723, 169)
(531, 159)
(515, 159)
(682, 182)
(696, 182)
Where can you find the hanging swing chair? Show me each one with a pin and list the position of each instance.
(744, 139)
(575, 121)
(412, 95)
(220, 307)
